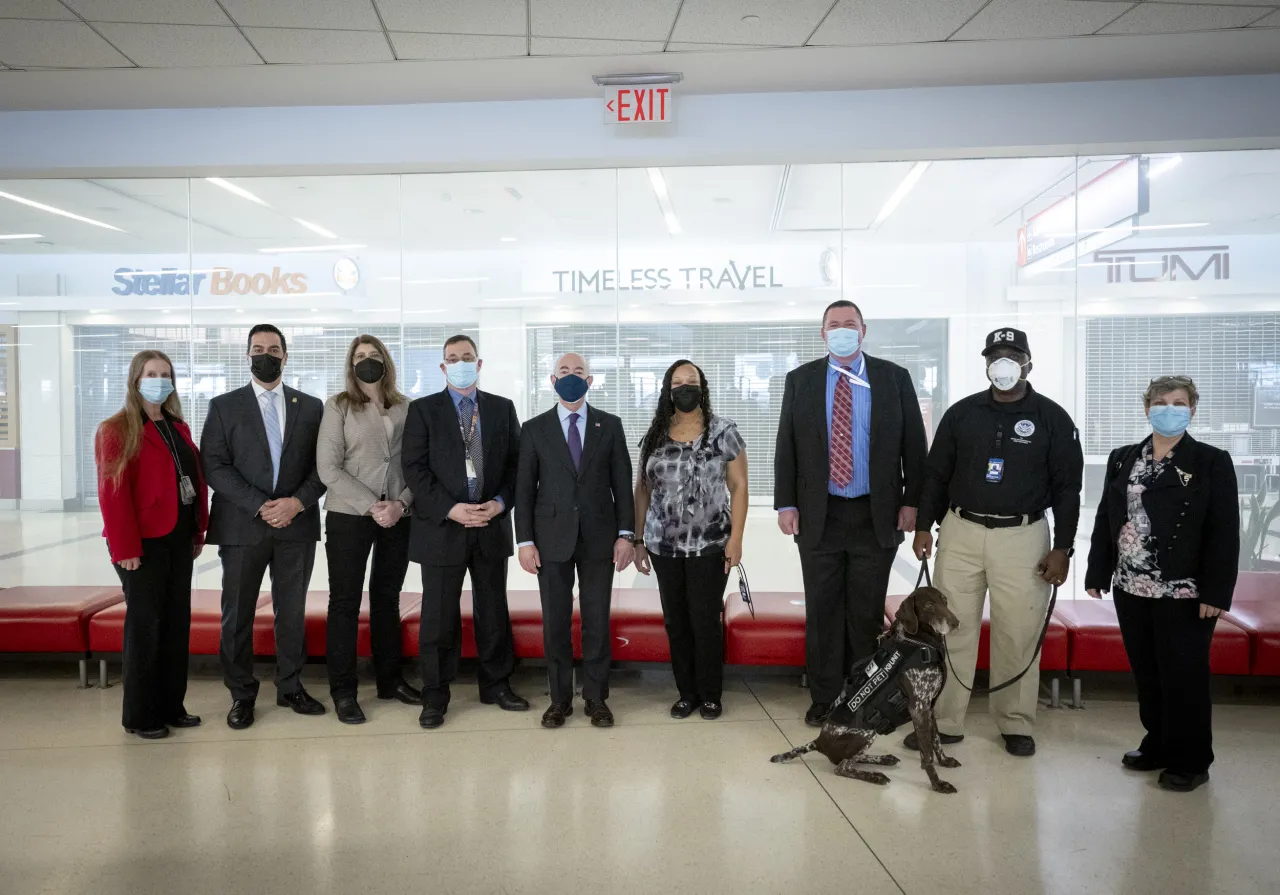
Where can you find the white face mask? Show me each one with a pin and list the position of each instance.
(1004, 373)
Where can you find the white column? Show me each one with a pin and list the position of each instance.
(47, 411)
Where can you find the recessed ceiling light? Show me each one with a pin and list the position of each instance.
(316, 228)
(475, 211)
(508, 239)
(31, 203)
(237, 190)
(20, 236)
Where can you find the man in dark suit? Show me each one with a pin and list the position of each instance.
(574, 512)
(259, 452)
(847, 474)
(459, 453)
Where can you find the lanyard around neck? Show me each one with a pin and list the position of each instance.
(852, 376)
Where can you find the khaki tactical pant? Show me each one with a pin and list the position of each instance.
(972, 561)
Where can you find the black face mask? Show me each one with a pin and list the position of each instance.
(265, 367)
(370, 370)
(686, 398)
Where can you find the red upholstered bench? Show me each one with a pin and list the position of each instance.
(52, 619)
(775, 636)
(1096, 644)
(409, 603)
(639, 632)
(1256, 609)
(525, 607)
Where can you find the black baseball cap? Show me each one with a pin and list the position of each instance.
(1007, 337)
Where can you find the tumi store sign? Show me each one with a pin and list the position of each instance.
(215, 281)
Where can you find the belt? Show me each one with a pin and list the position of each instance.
(998, 521)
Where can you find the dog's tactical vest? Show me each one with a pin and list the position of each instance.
(874, 696)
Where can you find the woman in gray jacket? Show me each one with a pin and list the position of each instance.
(368, 505)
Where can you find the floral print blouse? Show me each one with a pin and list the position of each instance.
(1137, 568)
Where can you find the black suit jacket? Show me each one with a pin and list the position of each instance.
(435, 469)
(801, 462)
(1195, 517)
(237, 465)
(555, 504)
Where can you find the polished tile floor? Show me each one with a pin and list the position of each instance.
(491, 803)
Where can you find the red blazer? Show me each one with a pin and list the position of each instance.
(144, 503)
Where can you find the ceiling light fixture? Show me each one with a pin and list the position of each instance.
(343, 247)
(237, 190)
(507, 239)
(1163, 166)
(907, 185)
(638, 80)
(21, 236)
(659, 184)
(31, 203)
(316, 228)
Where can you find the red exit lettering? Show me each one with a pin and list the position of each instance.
(626, 105)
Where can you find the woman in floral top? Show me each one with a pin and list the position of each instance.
(691, 505)
(1166, 542)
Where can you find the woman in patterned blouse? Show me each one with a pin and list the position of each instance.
(691, 505)
(1167, 541)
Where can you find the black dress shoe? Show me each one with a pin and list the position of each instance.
(710, 710)
(1137, 760)
(185, 720)
(348, 710)
(1019, 744)
(241, 714)
(817, 714)
(402, 692)
(301, 702)
(556, 713)
(598, 712)
(1177, 782)
(913, 743)
(507, 700)
(683, 708)
(149, 733)
(431, 717)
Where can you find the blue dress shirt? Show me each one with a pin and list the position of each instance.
(861, 483)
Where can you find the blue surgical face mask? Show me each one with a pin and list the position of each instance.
(571, 388)
(844, 342)
(1169, 420)
(463, 374)
(155, 389)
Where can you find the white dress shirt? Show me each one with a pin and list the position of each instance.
(277, 395)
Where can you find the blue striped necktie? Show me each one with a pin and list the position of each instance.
(271, 419)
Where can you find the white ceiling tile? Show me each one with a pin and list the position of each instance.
(348, 15)
(1017, 19)
(688, 47)
(1164, 18)
(413, 45)
(180, 46)
(777, 22)
(162, 12)
(56, 45)
(319, 47)
(34, 9)
(607, 19)
(1271, 21)
(860, 22)
(570, 46)
(456, 16)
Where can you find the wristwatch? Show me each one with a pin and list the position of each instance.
(636, 541)
(1070, 551)
(407, 509)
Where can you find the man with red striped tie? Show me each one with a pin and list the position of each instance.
(846, 494)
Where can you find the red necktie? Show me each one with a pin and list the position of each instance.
(842, 433)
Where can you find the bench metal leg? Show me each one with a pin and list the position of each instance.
(84, 674)
(804, 680)
(1076, 701)
(1054, 694)
(103, 684)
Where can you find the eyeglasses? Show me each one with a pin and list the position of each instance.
(744, 589)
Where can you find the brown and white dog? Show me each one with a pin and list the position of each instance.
(922, 619)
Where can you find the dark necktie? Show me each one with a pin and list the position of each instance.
(471, 438)
(842, 432)
(575, 442)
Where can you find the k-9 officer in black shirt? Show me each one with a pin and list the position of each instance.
(1000, 458)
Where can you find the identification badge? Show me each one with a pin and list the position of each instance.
(471, 470)
(995, 470)
(186, 490)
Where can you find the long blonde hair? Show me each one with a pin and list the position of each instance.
(353, 395)
(125, 426)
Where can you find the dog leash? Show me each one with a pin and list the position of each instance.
(1035, 657)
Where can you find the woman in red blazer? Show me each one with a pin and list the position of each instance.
(155, 511)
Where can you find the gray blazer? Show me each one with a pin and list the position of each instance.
(356, 461)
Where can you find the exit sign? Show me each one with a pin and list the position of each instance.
(628, 105)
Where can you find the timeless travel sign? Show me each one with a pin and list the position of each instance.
(730, 276)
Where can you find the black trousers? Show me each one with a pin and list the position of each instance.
(1168, 646)
(243, 566)
(157, 630)
(692, 592)
(349, 539)
(595, 593)
(440, 633)
(846, 578)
